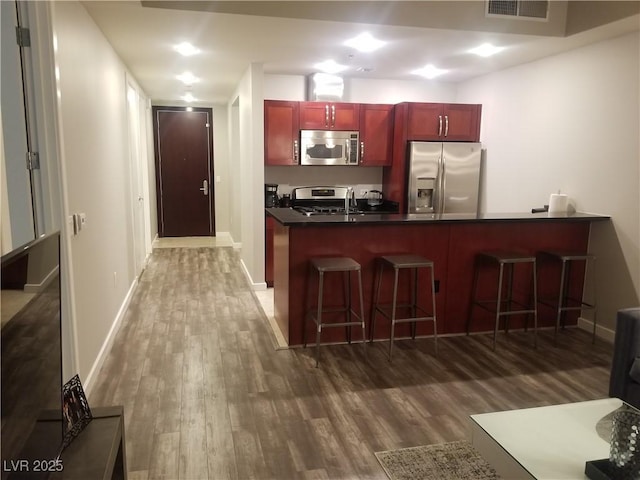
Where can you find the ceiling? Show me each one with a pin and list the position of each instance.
(291, 37)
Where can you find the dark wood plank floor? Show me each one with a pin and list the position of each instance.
(208, 396)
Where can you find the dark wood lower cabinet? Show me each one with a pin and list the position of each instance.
(268, 250)
(97, 453)
(452, 246)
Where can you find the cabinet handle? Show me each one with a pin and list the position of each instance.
(446, 125)
(440, 127)
(295, 151)
(361, 151)
(333, 115)
(326, 115)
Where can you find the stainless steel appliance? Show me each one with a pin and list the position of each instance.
(327, 200)
(271, 195)
(443, 177)
(329, 147)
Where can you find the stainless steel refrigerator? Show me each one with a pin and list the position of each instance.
(444, 177)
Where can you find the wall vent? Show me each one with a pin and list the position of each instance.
(525, 9)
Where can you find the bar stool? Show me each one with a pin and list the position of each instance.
(564, 302)
(335, 264)
(505, 307)
(413, 263)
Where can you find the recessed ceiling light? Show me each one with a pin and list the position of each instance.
(188, 97)
(429, 71)
(365, 42)
(329, 66)
(486, 50)
(188, 78)
(186, 49)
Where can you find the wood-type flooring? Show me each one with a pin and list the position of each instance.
(207, 395)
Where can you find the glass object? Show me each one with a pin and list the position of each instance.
(624, 452)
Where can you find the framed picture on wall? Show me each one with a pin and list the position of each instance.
(76, 413)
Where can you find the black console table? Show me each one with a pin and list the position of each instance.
(98, 452)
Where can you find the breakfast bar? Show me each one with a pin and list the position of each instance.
(450, 240)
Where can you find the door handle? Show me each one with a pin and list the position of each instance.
(440, 126)
(205, 187)
(446, 125)
(333, 115)
(326, 115)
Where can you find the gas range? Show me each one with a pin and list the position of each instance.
(328, 200)
(326, 210)
(323, 200)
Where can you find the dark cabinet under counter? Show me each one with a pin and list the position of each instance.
(450, 240)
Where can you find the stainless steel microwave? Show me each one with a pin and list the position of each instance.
(329, 147)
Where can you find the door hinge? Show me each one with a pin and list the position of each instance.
(23, 37)
(33, 161)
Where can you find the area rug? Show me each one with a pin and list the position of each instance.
(442, 461)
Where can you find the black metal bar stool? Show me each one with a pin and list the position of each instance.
(336, 264)
(504, 307)
(414, 263)
(564, 302)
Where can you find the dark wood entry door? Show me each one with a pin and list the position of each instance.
(184, 171)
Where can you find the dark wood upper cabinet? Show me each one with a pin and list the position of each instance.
(447, 122)
(281, 131)
(462, 122)
(376, 135)
(329, 116)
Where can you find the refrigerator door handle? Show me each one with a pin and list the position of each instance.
(443, 184)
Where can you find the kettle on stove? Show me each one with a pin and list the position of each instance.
(374, 199)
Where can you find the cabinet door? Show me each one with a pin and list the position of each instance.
(376, 135)
(344, 116)
(314, 116)
(281, 133)
(462, 123)
(425, 122)
(329, 116)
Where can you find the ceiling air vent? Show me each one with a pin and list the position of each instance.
(526, 9)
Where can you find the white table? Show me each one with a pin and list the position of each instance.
(551, 442)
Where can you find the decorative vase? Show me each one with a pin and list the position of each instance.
(624, 452)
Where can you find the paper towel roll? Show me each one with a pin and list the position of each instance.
(558, 203)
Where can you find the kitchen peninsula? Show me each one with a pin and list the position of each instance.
(450, 240)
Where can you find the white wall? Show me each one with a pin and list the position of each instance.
(248, 137)
(571, 122)
(92, 111)
(394, 91)
(362, 90)
(221, 168)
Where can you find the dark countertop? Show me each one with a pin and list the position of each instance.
(292, 218)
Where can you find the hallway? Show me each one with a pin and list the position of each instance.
(208, 396)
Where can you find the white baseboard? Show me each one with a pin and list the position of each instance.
(108, 342)
(38, 287)
(254, 285)
(601, 332)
